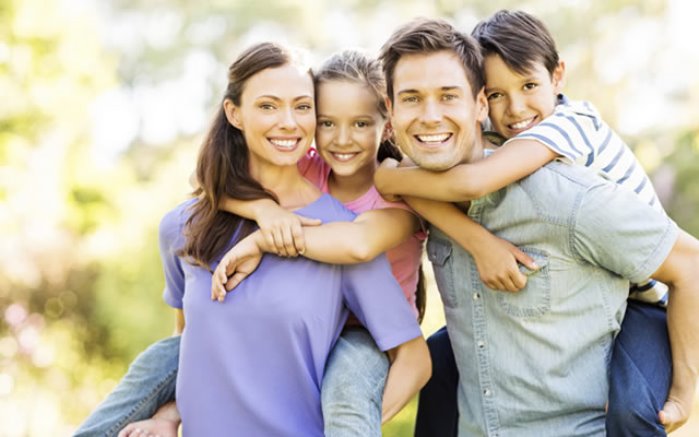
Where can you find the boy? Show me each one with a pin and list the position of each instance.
(524, 78)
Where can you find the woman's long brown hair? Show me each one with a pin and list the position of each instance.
(223, 166)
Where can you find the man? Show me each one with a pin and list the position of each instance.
(534, 362)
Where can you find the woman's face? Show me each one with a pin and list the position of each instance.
(350, 127)
(276, 115)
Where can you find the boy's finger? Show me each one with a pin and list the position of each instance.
(525, 259)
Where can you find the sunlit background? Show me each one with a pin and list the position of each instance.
(103, 105)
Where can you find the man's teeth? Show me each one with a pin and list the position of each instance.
(438, 138)
(522, 124)
(283, 143)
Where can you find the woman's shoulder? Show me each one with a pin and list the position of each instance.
(173, 221)
(328, 209)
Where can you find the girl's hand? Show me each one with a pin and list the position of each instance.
(497, 263)
(236, 265)
(282, 230)
(151, 428)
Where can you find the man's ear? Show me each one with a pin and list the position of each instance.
(387, 132)
(481, 106)
(232, 113)
(558, 77)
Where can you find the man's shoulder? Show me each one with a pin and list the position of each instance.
(558, 175)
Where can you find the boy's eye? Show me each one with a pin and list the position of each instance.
(530, 86)
(494, 96)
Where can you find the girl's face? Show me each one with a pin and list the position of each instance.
(350, 127)
(276, 115)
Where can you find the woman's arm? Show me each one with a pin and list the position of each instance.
(411, 368)
(511, 162)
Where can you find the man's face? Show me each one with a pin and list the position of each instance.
(434, 115)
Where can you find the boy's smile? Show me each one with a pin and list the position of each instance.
(519, 101)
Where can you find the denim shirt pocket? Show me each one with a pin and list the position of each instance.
(534, 300)
(439, 252)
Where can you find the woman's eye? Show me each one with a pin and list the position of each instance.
(266, 107)
(304, 107)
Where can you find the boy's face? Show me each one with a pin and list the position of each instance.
(518, 102)
(434, 116)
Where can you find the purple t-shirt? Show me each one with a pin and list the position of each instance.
(253, 365)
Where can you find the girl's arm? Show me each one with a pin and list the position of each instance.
(281, 229)
(369, 235)
(509, 163)
(496, 259)
(411, 368)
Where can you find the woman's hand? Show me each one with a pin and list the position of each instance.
(150, 428)
(235, 266)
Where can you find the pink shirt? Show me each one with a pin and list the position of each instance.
(405, 258)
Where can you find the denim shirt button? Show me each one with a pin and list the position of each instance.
(487, 393)
(481, 344)
(476, 296)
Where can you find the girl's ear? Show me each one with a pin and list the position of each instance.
(232, 114)
(387, 132)
(558, 77)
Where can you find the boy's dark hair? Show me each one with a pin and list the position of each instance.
(519, 38)
(424, 36)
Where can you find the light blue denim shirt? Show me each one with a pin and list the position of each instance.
(534, 363)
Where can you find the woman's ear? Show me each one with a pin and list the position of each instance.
(232, 114)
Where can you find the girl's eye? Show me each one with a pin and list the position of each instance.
(326, 123)
(362, 124)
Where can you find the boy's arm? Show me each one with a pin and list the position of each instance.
(509, 163)
(280, 228)
(410, 370)
(496, 259)
(678, 271)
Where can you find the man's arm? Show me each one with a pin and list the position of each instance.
(509, 163)
(679, 271)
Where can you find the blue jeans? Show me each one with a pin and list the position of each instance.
(352, 390)
(640, 377)
(351, 395)
(149, 384)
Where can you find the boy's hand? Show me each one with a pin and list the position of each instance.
(282, 230)
(497, 265)
(236, 265)
(676, 410)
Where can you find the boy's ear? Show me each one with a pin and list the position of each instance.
(558, 77)
(232, 113)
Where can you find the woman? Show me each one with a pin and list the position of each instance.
(254, 364)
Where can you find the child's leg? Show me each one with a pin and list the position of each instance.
(437, 410)
(353, 386)
(148, 384)
(640, 372)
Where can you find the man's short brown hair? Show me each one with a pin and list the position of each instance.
(424, 36)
